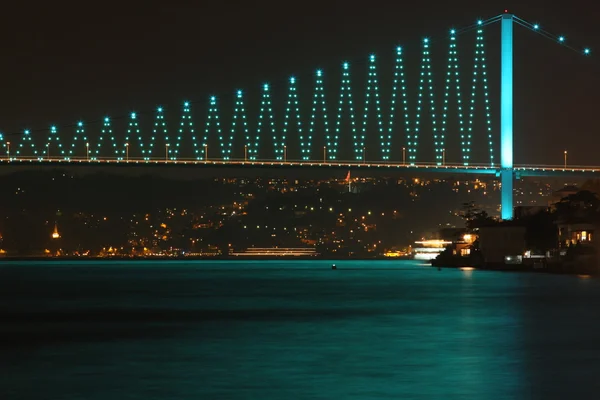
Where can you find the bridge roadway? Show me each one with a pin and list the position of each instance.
(479, 169)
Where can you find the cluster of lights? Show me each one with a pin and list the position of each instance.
(186, 129)
(54, 137)
(425, 83)
(266, 113)
(106, 130)
(373, 89)
(291, 107)
(239, 112)
(453, 81)
(399, 82)
(212, 119)
(561, 39)
(479, 76)
(345, 94)
(159, 129)
(132, 129)
(319, 103)
(79, 135)
(26, 140)
(426, 107)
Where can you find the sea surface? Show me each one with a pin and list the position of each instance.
(294, 330)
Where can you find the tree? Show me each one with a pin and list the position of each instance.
(583, 205)
(475, 217)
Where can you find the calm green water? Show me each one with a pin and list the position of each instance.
(294, 330)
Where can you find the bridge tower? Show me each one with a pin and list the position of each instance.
(507, 175)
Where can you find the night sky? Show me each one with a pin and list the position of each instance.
(65, 62)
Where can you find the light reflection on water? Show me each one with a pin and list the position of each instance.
(294, 330)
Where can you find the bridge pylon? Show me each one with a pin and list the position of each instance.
(506, 117)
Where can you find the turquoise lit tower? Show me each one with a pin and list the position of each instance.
(506, 117)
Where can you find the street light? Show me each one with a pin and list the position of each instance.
(284, 153)
(87, 150)
(8, 151)
(166, 152)
(246, 152)
(443, 156)
(48, 151)
(126, 152)
(404, 155)
(206, 152)
(364, 155)
(324, 154)
(565, 159)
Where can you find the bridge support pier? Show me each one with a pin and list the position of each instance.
(507, 178)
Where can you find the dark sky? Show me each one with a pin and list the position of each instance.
(65, 61)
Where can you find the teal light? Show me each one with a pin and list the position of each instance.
(106, 131)
(212, 123)
(479, 79)
(399, 89)
(372, 97)
(79, 141)
(57, 148)
(26, 140)
(132, 129)
(453, 84)
(160, 129)
(238, 120)
(425, 84)
(344, 102)
(264, 118)
(586, 51)
(291, 109)
(536, 26)
(186, 132)
(318, 104)
(561, 39)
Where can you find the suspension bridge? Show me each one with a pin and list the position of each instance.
(384, 133)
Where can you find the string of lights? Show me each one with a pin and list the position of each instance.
(345, 124)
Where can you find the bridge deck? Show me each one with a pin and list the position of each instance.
(520, 170)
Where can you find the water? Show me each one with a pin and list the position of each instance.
(294, 330)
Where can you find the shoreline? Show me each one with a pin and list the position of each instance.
(197, 258)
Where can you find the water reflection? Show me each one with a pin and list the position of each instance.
(369, 330)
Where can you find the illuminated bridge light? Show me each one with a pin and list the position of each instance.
(292, 109)
(318, 104)
(238, 120)
(212, 124)
(185, 134)
(266, 113)
(372, 92)
(375, 125)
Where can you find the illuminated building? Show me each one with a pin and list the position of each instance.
(429, 249)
